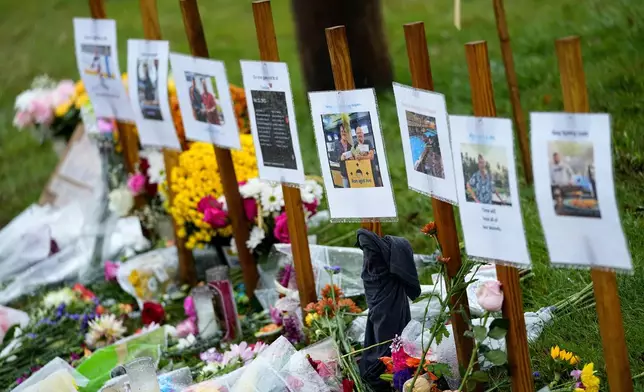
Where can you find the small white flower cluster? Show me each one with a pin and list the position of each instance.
(156, 172)
(104, 331)
(121, 201)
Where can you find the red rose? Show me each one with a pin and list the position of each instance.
(152, 313)
(347, 385)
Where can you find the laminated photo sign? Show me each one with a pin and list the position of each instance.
(97, 60)
(272, 121)
(487, 189)
(424, 131)
(148, 89)
(205, 102)
(575, 190)
(352, 155)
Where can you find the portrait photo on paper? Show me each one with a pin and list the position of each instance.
(487, 189)
(272, 121)
(148, 89)
(204, 100)
(424, 131)
(352, 154)
(97, 61)
(575, 191)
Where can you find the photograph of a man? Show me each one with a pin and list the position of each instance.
(485, 170)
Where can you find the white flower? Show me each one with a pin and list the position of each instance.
(233, 246)
(222, 200)
(24, 99)
(187, 342)
(252, 188)
(212, 367)
(256, 237)
(121, 201)
(272, 199)
(55, 298)
(156, 172)
(170, 331)
(104, 331)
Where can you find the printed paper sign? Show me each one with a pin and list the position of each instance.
(148, 88)
(425, 136)
(97, 60)
(205, 101)
(487, 189)
(354, 165)
(575, 192)
(272, 120)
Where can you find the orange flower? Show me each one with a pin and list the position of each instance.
(325, 306)
(349, 305)
(310, 308)
(413, 362)
(389, 363)
(429, 229)
(326, 292)
(442, 260)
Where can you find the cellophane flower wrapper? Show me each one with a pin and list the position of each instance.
(148, 276)
(219, 384)
(51, 376)
(174, 381)
(326, 352)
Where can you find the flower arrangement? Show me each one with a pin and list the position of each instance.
(564, 370)
(199, 206)
(237, 356)
(50, 108)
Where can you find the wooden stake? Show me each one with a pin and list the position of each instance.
(292, 197)
(516, 340)
(128, 139)
(513, 88)
(199, 48)
(336, 38)
(421, 77)
(152, 31)
(575, 97)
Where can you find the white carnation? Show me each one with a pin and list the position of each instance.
(252, 188)
(121, 201)
(156, 172)
(256, 237)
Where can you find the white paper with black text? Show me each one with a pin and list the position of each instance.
(575, 191)
(352, 155)
(487, 189)
(424, 131)
(272, 121)
(147, 68)
(205, 102)
(97, 61)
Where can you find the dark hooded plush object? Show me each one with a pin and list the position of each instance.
(390, 278)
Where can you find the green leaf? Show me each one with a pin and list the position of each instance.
(499, 328)
(468, 334)
(387, 377)
(479, 376)
(497, 357)
(480, 332)
(424, 297)
(441, 333)
(471, 385)
(439, 369)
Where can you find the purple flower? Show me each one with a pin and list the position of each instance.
(292, 329)
(60, 311)
(31, 335)
(536, 374)
(276, 315)
(333, 269)
(400, 377)
(575, 374)
(284, 275)
(211, 355)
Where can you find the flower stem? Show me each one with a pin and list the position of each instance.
(367, 348)
(474, 357)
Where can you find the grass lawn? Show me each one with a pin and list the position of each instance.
(37, 39)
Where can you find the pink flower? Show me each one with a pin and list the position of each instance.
(105, 125)
(281, 229)
(312, 207)
(23, 120)
(136, 183)
(575, 374)
(111, 270)
(216, 218)
(207, 202)
(490, 296)
(41, 109)
(294, 383)
(63, 92)
(189, 307)
(187, 327)
(324, 371)
(250, 207)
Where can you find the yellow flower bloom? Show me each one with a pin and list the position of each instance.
(554, 352)
(588, 378)
(81, 100)
(308, 319)
(63, 108)
(79, 87)
(575, 360)
(565, 355)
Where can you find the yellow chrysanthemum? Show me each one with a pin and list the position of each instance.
(309, 319)
(588, 378)
(554, 352)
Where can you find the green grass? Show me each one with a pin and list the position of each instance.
(38, 39)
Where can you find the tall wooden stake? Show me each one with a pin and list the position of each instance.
(421, 77)
(516, 340)
(292, 197)
(336, 38)
(152, 31)
(575, 97)
(513, 88)
(128, 139)
(199, 48)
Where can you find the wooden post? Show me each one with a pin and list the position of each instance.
(421, 77)
(336, 38)
(292, 197)
(516, 340)
(199, 48)
(128, 139)
(152, 31)
(513, 88)
(575, 98)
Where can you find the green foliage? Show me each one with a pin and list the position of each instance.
(496, 357)
(480, 332)
(498, 328)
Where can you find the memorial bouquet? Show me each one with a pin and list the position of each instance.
(49, 108)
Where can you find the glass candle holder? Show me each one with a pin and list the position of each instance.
(206, 318)
(143, 375)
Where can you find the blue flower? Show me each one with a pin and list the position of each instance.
(536, 374)
(400, 377)
(333, 269)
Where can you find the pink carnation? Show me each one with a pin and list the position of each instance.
(281, 229)
(250, 208)
(216, 218)
(105, 125)
(63, 92)
(189, 307)
(136, 183)
(111, 269)
(187, 327)
(41, 110)
(208, 202)
(22, 120)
